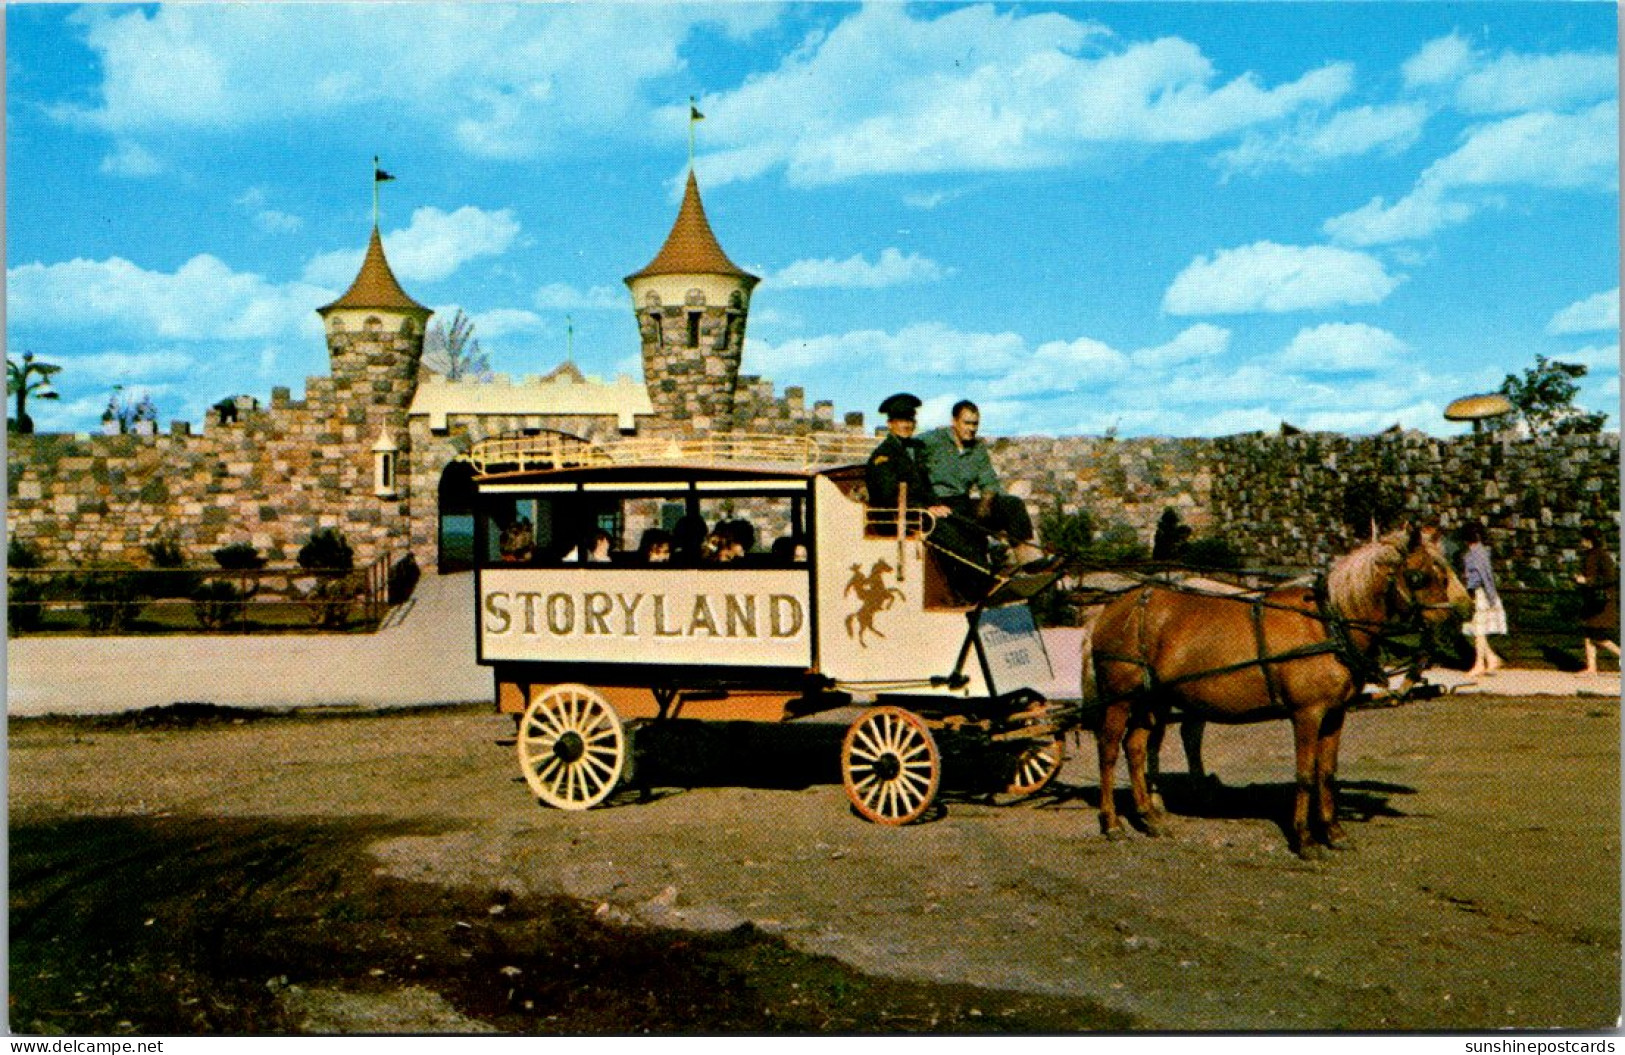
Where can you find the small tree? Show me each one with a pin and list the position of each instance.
(1543, 397)
(239, 556)
(454, 350)
(28, 378)
(1170, 537)
(328, 550)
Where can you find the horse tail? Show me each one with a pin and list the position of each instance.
(1089, 707)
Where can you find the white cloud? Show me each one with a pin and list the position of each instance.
(505, 81)
(504, 322)
(1512, 82)
(1348, 133)
(1547, 150)
(1266, 277)
(1538, 82)
(892, 91)
(559, 296)
(1441, 61)
(1568, 151)
(273, 221)
(921, 349)
(1342, 347)
(430, 248)
(891, 269)
(1599, 359)
(124, 367)
(1202, 341)
(1417, 215)
(132, 159)
(1597, 312)
(203, 299)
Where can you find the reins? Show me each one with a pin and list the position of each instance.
(1338, 643)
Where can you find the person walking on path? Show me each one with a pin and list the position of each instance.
(1599, 588)
(1489, 616)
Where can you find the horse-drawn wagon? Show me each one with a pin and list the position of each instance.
(606, 601)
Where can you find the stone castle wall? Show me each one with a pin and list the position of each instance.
(1283, 499)
(270, 478)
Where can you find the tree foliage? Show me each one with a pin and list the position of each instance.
(454, 350)
(1543, 397)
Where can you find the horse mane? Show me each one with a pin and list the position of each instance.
(1358, 580)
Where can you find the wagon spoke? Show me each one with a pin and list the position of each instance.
(889, 766)
(572, 749)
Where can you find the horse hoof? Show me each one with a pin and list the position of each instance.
(1117, 834)
(1157, 827)
(1309, 851)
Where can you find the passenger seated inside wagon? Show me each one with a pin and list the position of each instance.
(789, 551)
(598, 549)
(730, 541)
(655, 546)
(518, 541)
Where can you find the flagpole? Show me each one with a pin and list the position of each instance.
(692, 110)
(375, 190)
(569, 339)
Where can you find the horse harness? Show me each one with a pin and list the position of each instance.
(1339, 644)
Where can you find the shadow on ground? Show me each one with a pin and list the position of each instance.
(182, 926)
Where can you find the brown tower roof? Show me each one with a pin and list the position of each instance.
(691, 248)
(375, 285)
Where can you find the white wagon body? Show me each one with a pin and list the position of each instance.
(835, 605)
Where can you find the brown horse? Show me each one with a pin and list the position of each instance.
(1301, 653)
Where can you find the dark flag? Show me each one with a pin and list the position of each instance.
(694, 113)
(379, 175)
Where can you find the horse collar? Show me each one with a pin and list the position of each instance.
(1364, 670)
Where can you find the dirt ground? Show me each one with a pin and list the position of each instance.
(390, 872)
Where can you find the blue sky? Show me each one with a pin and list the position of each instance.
(1164, 219)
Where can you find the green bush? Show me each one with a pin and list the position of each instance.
(166, 554)
(327, 549)
(111, 596)
(24, 592)
(239, 556)
(21, 554)
(218, 603)
(23, 595)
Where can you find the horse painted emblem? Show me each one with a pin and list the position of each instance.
(874, 597)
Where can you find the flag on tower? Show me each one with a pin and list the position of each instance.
(694, 112)
(379, 175)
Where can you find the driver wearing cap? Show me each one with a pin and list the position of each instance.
(899, 461)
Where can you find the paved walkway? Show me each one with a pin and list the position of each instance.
(423, 655)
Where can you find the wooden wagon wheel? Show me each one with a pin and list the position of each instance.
(1036, 766)
(572, 748)
(890, 766)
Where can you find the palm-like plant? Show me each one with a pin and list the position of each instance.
(30, 377)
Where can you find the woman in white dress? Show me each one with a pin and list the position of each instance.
(1489, 617)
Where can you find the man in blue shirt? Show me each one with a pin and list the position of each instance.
(962, 478)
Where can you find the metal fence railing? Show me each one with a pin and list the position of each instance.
(114, 600)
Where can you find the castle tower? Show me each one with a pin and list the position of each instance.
(375, 336)
(691, 302)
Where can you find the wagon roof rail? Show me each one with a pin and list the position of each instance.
(821, 450)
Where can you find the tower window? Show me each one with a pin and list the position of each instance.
(693, 329)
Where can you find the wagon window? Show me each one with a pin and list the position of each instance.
(557, 529)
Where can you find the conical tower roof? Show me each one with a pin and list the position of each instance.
(691, 248)
(375, 285)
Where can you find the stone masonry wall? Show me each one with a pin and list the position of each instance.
(271, 478)
(1281, 499)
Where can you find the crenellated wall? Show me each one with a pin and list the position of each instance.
(270, 478)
